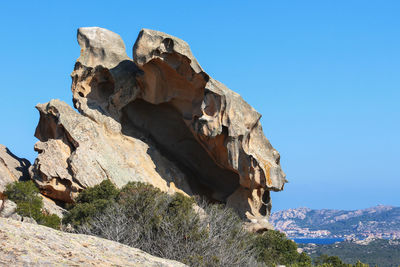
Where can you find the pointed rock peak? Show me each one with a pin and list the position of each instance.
(100, 47)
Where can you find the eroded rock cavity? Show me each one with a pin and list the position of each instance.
(157, 118)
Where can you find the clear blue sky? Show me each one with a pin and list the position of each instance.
(324, 74)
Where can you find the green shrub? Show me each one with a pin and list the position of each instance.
(105, 190)
(180, 206)
(143, 204)
(25, 195)
(30, 204)
(90, 202)
(273, 247)
(52, 221)
(334, 261)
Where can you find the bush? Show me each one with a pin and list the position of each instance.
(105, 190)
(90, 202)
(30, 204)
(25, 195)
(52, 221)
(273, 248)
(168, 226)
(164, 225)
(333, 261)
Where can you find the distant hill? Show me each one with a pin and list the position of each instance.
(375, 252)
(380, 221)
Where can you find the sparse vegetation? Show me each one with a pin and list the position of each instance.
(30, 204)
(164, 225)
(167, 226)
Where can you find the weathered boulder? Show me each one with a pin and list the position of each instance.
(24, 244)
(8, 209)
(12, 168)
(158, 118)
(76, 152)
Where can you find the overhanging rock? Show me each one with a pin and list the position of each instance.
(157, 118)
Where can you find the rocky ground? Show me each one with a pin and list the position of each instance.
(25, 244)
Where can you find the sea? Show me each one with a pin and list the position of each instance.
(318, 241)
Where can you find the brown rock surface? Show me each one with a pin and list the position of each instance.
(23, 244)
(12, 168)
(76, 152)
(158, 118)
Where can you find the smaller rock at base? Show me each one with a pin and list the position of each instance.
(8, 208)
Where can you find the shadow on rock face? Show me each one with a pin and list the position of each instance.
(159, 118)
(12, 168)
(164, 126)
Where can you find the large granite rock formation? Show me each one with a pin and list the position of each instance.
(23, 244)
(158, 118)
(12, 168)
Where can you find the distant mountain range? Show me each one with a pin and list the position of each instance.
(379, 222)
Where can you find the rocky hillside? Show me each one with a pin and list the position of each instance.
(375, 252)
(380, 221)
(157, 118)
(25, 244)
